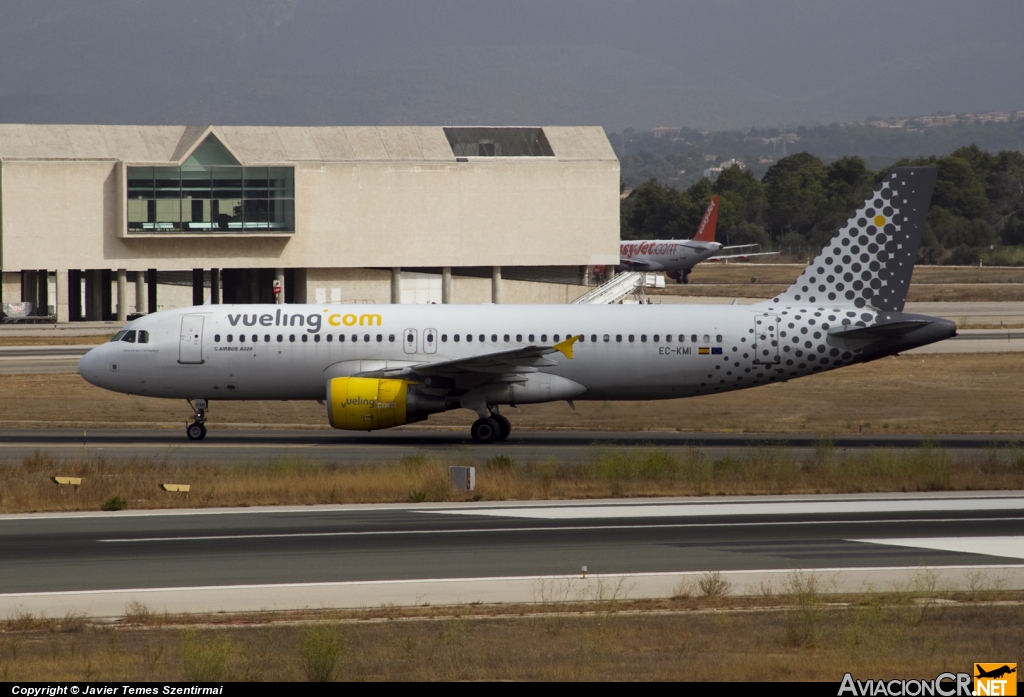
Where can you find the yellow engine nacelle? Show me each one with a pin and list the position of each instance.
(365, 404)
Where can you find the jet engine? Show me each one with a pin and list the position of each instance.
(367, 404)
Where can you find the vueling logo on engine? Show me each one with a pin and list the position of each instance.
(360, 402)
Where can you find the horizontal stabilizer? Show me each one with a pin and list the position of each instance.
(878, 331)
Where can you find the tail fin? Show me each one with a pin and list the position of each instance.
(706, 230)
(870, 260)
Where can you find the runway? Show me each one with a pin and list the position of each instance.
(226, 446)
(331, 556)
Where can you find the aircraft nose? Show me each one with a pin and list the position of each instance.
(89, 366)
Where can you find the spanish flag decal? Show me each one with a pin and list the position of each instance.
(704, 350)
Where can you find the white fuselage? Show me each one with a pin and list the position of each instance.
(281, 352)
(666, 255)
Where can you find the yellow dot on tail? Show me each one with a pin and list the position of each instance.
(879, 220)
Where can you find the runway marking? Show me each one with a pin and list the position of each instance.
(733, 509)
(571, 528)
(478, 579)
(1012, 547)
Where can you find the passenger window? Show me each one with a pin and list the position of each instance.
(291, 337)
(707, 339)
(618, 337)
(531, 337)
(355, 337)
(266, 337)
(444, 338)
(668, 338)
(280, 338)
(305, 338)
(366, 338)
(643, 337)
(316, 338)
(143, 336)
(656, 338)
(593, 337)
(341, 338)
(631, 338)
(483, 338)
(555, 338)
(494, 337)
(129, 336)
(506, 338)
(693, 338)
(230, 338)
(718, 339)
(456, 337)
(469, 337)
(430, 338)
(519, 337)
(216, 338)
(255, 338)
(391, 338)
(241, 338)
(330, 338)
(544, 338)
(380, 338)
(606, 338)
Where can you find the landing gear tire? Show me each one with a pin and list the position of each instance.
(504, 426)
(485, 430)
(195, 431)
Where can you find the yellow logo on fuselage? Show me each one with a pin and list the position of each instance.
(350, 320)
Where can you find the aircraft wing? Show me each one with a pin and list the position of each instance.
(634, 262)
(740, 256)
(525, 359)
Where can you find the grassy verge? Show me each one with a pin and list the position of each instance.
(921, 394)
(798, 634)
(27, 486)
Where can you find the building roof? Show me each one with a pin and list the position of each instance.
(259, 145)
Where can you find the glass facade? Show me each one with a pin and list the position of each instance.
(211, 193)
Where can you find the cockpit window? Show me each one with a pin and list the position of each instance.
(117, 337)
(129, 336)
(143, 336)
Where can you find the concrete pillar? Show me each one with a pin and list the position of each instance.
(609, 272)
(151, 286)
(43, 292)
(496, 285)
(140, 292)
(215, 286)
(446, 285)
(396, 286)
(122, 295)
(63, 296)
(197, 287)
(279, 277)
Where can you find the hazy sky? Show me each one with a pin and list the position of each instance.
(728, 63)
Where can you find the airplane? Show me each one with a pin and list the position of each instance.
(678, 257)
(378, 366)
(995, 673)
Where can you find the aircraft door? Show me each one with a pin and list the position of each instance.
(409, 337)
(766, 339)
(190, 345)
(429, 341)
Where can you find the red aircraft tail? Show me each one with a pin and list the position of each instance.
(706, 231)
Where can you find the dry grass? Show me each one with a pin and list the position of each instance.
(55, 340)
(606, 472)
(927, 394)
(794, 636)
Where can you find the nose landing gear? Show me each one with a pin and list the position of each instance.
(197, 429)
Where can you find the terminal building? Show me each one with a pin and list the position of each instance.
(104, 222)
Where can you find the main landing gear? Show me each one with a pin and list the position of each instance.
(491, 428)
(197, 429)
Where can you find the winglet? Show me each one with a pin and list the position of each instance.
(565, 347)
(706, 231)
